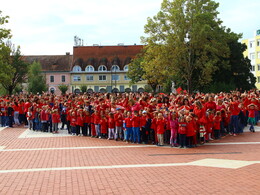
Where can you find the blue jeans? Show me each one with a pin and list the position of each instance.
(136, 133)
(234, 124)
(3, 121)
(129, 133)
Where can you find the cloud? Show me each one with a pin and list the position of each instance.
(241, 16)
(48, 27)
(52, 24)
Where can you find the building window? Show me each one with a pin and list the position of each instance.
(102, 68)
(89, 68)
(126, 78)
(115, 68)
(258, 67)
(258, 55)
(76, 68)
(258, 42)
(252, 56)
(90, 78)
(115, 77)
(258, 79)
(253, 68)
(63, 78)
(51, 79)
(76, 78)
(102, 77)
(251, 44)
(126, 68)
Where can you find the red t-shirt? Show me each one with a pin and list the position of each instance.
(182, 128)
(111, 123)
(160, 123)
(135, 121)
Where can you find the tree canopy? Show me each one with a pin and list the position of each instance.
(186, 41)
(13, 69)
(36, 81)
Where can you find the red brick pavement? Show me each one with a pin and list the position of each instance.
(136, 180)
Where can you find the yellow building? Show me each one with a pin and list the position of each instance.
(104, 68)
(253, 53)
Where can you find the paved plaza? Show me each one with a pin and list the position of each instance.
(44, 163)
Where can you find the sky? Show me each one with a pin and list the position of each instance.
(48, 27)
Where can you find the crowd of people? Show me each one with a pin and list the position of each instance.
(180, 120)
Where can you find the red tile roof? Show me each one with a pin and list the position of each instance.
(105, 55)
(59, 63)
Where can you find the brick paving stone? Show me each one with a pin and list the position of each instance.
(146, 180)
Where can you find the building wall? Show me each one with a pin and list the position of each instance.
(253, 53)
(57, 81)
(121, 84)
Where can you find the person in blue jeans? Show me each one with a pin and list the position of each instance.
(136, 127)
(128, 126)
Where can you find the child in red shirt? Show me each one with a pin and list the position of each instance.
(160, 123)
(217, 120)
(55, 121)
(111, 126)
(103, 126)
(73, 120)
(251, 116)
(128, 126)
(191, 132)
(136, 127)
(182, 131)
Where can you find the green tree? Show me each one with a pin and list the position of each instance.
(63, 88)
(237, 74)
(138, 72)
(83, 88)
(36, 81)
(13, 68)
(5, 34)
(185, 39)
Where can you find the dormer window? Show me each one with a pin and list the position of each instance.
(102, 68)
(115, 68)
(76, 68)
(89, 68)
(126, 68)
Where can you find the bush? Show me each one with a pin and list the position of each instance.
(83, 88)
(63, 89)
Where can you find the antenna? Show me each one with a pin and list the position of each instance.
(78, 41)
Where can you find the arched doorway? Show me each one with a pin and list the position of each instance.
(52, 90)
(128, 90)
(102, 90)
(77, 91)
(115, 90)
(141, 90)
(90, 90)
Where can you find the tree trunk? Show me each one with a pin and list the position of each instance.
(10, 90)
(189, 85)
